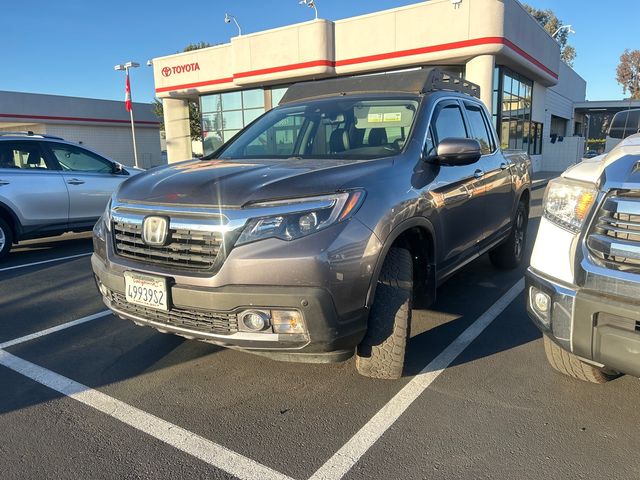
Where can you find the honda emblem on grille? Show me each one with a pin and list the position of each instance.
(155, 231)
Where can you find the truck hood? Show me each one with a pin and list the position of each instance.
(618, 167)
(234, 183)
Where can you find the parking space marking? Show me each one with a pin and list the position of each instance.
(51, 260)
(57, 328)
(343, 460)
(215, 455)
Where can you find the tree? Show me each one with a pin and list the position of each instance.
(628, 73)
(194, 106)
(550, 22)
(197, 46)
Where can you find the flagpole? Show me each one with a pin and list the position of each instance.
(129, 104)
(133, 125)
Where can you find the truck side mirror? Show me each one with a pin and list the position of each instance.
(458, 151)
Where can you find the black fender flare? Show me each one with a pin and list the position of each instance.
(405, 225)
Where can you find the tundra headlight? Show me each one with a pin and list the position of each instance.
(301, 216)
(567, 203)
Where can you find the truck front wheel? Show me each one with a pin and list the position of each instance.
(568, 364)
(382, 352)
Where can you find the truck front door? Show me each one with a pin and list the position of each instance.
(453, 191)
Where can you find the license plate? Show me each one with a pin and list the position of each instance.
(146, 290)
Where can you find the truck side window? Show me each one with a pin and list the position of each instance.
(449, 123)
(479, 129)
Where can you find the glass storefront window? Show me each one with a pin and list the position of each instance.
(251, 115)
(512, 102)
(253, 99)
(276, 95)
(232, 101)
(224, 115)
(232, 120)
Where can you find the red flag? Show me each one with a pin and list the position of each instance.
(127, 95)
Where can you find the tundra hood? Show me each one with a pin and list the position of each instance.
(234, 183)
(620, 167)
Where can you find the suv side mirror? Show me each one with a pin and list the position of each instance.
(458, 151)
(117, 168)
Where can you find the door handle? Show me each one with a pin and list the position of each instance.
(3, 183)
(478, 173)
(75, 181)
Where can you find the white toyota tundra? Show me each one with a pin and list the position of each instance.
(583, 285)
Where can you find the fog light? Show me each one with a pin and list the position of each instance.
(542, 302)
(287, 321)
(254, 320)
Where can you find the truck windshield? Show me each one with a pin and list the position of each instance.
(335, 128)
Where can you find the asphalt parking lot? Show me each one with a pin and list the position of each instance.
(102, 398)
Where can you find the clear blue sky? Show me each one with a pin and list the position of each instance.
(69, 47)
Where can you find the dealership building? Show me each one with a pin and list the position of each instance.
(529, 91)
(100, 125)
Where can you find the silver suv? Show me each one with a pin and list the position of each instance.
(49, 186)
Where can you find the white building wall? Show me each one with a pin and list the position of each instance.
(113, 142)
(560, 101)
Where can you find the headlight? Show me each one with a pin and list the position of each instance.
(304, 216)
(567, 203)
(106, 216)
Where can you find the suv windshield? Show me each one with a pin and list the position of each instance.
(337, 128)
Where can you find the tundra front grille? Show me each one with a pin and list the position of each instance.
(219, 323)
(185, 249)
(614, 241)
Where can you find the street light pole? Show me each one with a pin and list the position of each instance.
(563, 27)
(126, 68)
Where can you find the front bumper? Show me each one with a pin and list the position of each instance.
(328, 338)
(600, 328)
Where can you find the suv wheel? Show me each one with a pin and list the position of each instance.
(568, 364)
(6, 238)
(382, 352)
(509, 254)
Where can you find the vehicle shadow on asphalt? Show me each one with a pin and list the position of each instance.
(41, 250)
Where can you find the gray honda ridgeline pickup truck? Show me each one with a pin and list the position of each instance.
(309, 235)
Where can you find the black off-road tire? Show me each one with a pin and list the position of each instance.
(6, 238)
(509, 254)
(382, 352)
(568, 364)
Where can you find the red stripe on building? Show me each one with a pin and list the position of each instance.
(195, 85)
(294, 66)
(375, 58)
(74, 119)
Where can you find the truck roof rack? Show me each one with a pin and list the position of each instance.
(415, 81)
(29, 134)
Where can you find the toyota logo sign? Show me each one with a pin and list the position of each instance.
(186, 68)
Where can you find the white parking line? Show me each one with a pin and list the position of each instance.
(57, 328)
(16, 267)
(184, 440)
(343, 460)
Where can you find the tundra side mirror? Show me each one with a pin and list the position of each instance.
(458, 151)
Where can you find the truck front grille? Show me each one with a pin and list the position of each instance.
(219, 323)
(614, 241)
(186, 249)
